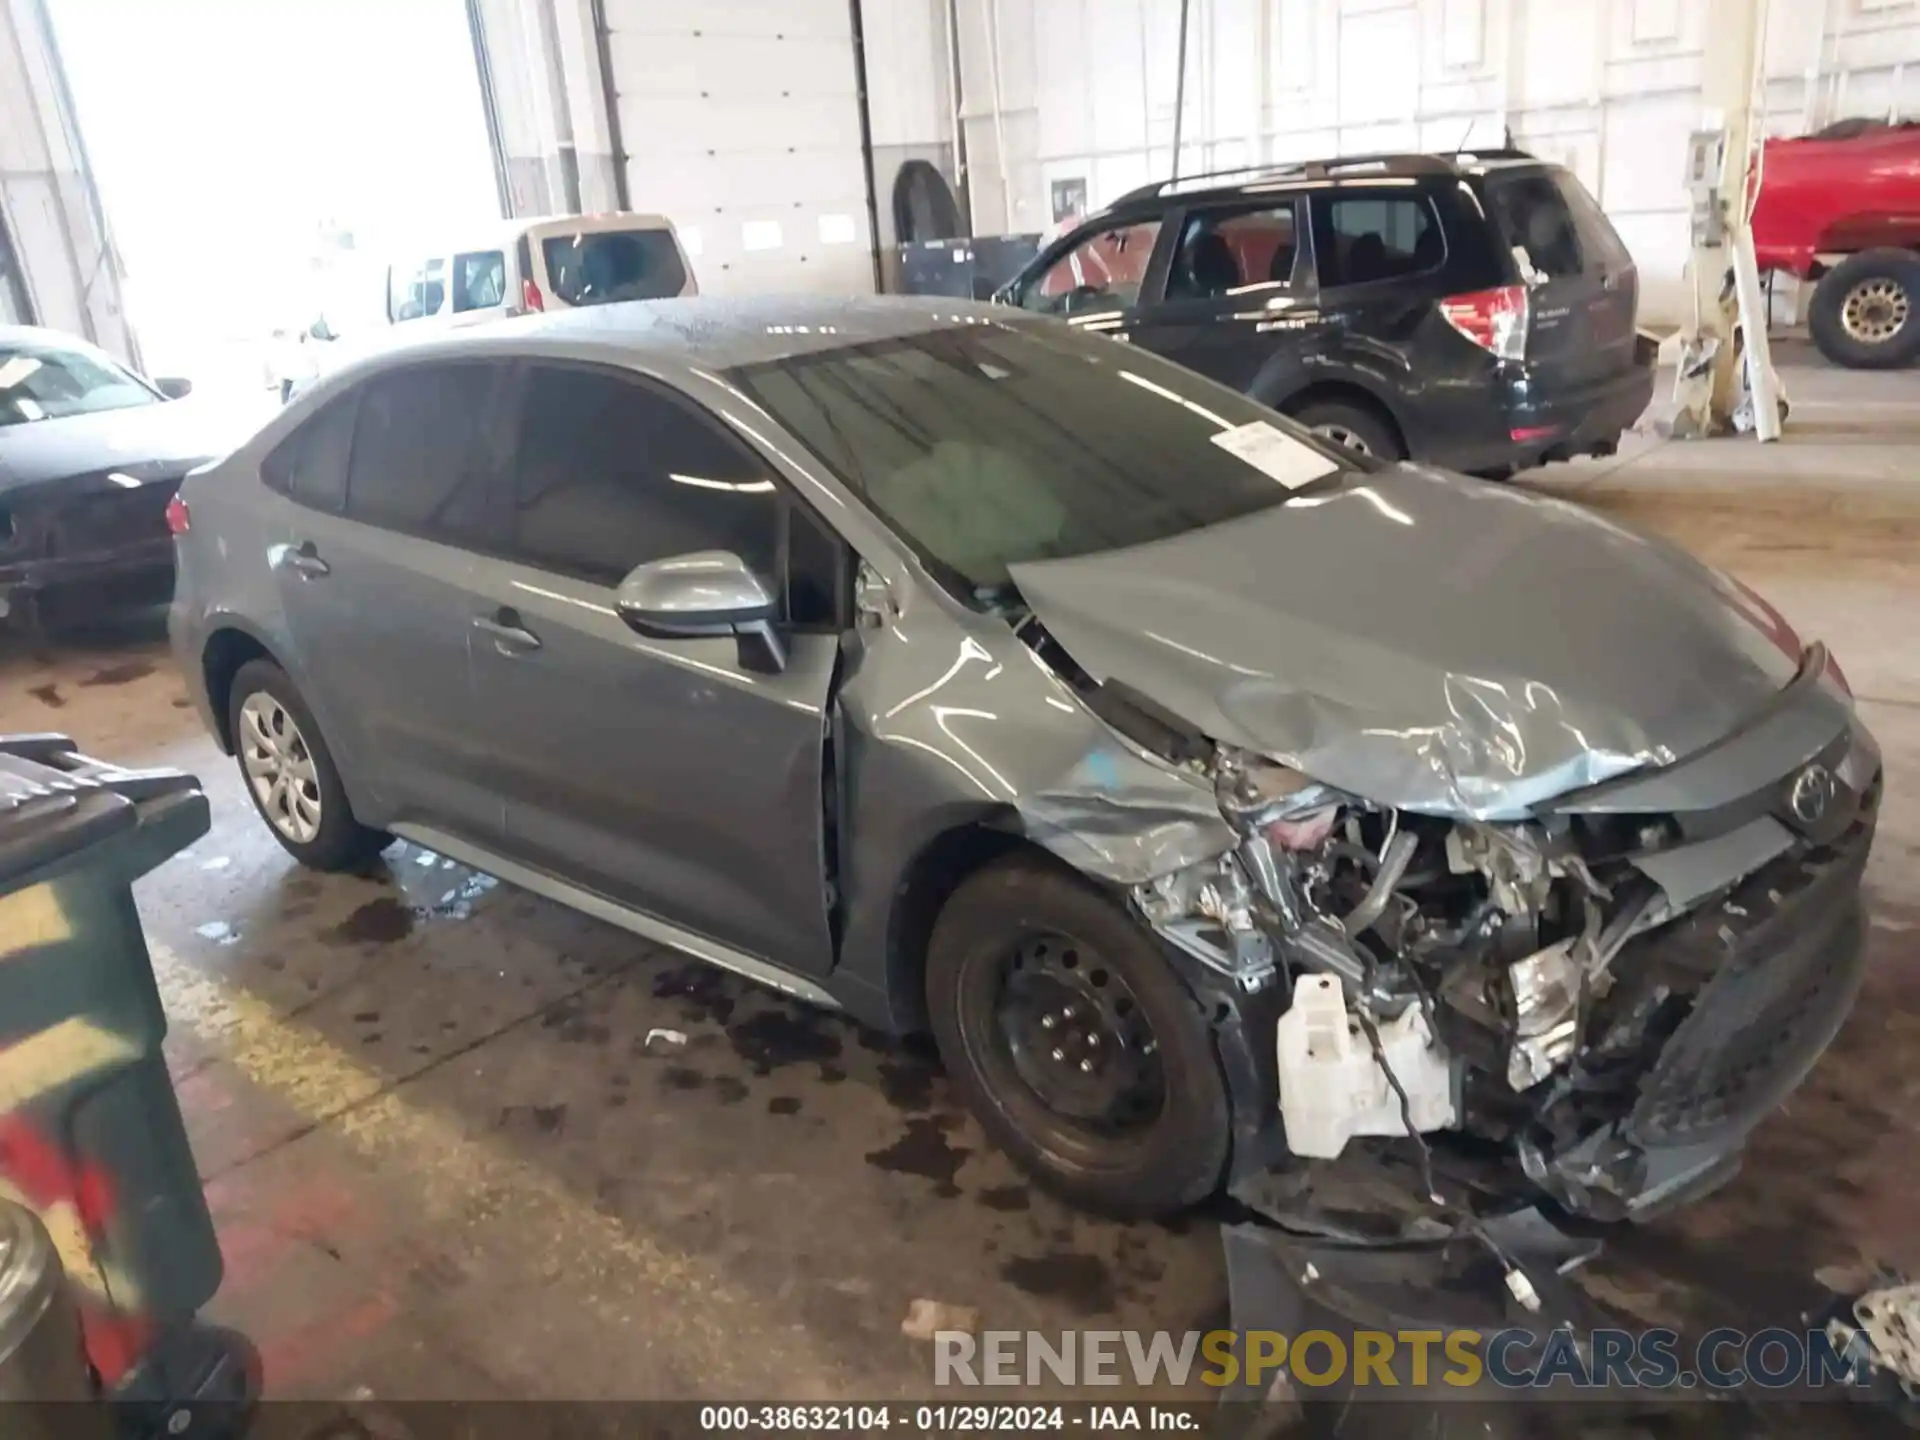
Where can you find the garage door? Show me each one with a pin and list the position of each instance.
(740, 120)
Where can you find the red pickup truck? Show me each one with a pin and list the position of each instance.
(1842, 208)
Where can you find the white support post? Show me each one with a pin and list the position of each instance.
(1707, 390)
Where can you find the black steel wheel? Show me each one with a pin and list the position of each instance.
(1077, 1036)
(1068, 1029)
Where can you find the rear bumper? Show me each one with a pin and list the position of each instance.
(1521, 425)
(80, 549)
(130, 575)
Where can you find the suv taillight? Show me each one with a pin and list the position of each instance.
(530, 297)
(179, 521)
(1495, 320)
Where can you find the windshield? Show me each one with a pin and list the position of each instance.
(989, 446)
(601, 267)
(39, 382)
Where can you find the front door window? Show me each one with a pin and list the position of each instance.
(1102, 271)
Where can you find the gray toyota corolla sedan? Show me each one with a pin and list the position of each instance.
(1220, 800)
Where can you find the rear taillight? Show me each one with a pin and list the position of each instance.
(179, 520)
(1495, 320)
(530, 296)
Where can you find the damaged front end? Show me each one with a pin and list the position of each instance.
(1583, 1011)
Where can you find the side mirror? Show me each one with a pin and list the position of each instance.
(174, 387)
(710, 592)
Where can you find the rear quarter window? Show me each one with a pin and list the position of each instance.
(1547, 219)
(1597, 234)
(310, 465)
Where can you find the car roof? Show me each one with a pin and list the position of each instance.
(41, 335)
(1263, 179)
(711, 332)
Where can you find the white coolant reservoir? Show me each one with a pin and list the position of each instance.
(1332, 1088)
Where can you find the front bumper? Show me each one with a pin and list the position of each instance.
(1713, 1017)
(1777, 964)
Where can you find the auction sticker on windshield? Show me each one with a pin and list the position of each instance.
(1274, 453)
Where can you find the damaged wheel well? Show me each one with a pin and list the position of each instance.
(227, 650)
(937, 871)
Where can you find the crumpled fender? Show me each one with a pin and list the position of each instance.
(982, 723)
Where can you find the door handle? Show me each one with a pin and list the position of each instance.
(510, 637)
(305, 562)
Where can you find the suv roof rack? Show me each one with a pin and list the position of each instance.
(1390, 161)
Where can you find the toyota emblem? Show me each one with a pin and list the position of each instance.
(1812, 789)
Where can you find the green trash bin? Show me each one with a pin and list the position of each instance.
(91, 1138)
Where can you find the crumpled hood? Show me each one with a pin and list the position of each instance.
(1426, 641)
(162, 440)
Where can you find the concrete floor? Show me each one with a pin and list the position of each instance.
(447, 1163)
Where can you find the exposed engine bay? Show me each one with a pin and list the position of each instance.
(1480, 983)
(1589, 1007)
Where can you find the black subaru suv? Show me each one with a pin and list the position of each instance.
(1472, 310)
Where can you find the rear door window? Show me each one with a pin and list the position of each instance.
(1362, 237)
(421, 458)
(310, 465)
(601, 268)
(1225, 251)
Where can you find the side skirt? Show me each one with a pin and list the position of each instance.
(640, 923)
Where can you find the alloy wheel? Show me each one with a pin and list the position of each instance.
(1875, 310)
(279, 767)
(1078, 1037)
(1341, 435)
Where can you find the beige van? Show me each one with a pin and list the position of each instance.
(533, 264)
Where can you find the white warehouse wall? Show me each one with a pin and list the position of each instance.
(1609, 87)
(63, 253)
(739, 119)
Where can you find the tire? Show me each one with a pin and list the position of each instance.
(1865, 313)
(1353, 426)
(337, 841)
(1157, 1161)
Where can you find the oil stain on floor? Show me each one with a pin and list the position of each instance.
(926, 1151)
